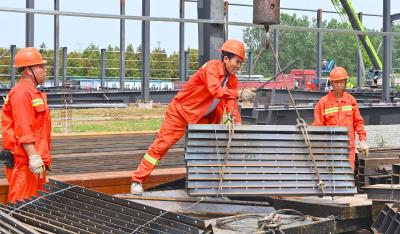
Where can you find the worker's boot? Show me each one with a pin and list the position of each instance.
(136, 188)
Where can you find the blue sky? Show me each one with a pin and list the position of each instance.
(78, 33)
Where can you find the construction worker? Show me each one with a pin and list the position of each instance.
(26, 127)
(339, 108)
(203, 99)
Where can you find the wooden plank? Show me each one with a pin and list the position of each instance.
(109, 182)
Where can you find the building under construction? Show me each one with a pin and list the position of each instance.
(274, 174)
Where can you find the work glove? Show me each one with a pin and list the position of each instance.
(246, 95)
(36, 164)
(364, 148)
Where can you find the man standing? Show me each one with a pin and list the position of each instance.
(203, 99)
(339, 108)
(27, 128)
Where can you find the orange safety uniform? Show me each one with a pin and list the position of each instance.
(190, 106)
(331, 111)
(25, 119)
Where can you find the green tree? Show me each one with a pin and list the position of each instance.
(159, 64)
(292, 44)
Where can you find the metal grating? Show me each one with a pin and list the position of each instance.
(267, 160)
(66, 208)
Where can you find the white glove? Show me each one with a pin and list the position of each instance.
(36, 164)
(364, 148)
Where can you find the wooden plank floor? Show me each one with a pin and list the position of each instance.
(105, 162)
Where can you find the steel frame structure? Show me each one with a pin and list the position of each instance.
(215, 19)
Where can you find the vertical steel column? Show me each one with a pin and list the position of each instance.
(276, 49)
(187, 65)
(30, 25)
(122, 47)
(319, 45)
(211, 36)
(102, 68)
(359, 57)
(249, 61)
(64, 66)
(13, 50)
(387, 52)
(145, 94)
(226, 19)
(56, 42)
(182, 42)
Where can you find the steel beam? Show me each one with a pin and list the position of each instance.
(387, 52)
(319, 44)
(182, 56)
(276, 49)
(13, 50)
(56, 43)
(395, 17)
(383, 192)
(373, 114)
(13, 225)
(64, 66)
(226, 19)
(30, 25)
(359, 58)
(187, 65)
(211, 36)
(122, 47)
(102, 68)
(145, 52)
(249, 62)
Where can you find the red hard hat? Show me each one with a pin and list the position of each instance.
(28, 56)
(235, 47)
(338, 73)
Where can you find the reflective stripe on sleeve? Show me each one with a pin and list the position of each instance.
(37, 102)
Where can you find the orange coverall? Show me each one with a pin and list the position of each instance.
(190, 106)
(330, 111)
(25, 119)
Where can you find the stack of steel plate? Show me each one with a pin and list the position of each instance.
(267, 160)
(388, 220)
(65, 208)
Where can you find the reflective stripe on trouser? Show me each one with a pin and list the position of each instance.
(172, 129)
(23, 183)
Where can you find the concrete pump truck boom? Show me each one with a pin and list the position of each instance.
(345, 6)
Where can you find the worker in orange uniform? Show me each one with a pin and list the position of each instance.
(26, 127)
(203, 99)
(339, 108)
